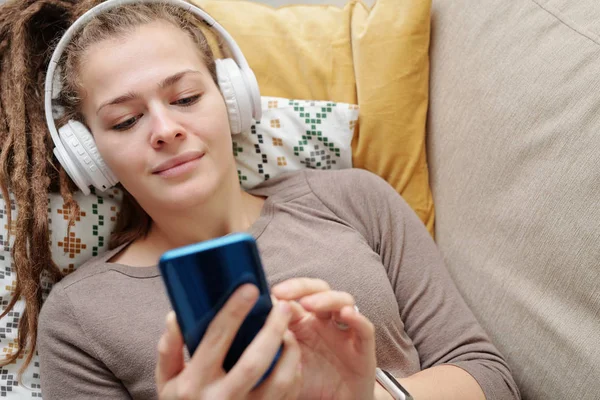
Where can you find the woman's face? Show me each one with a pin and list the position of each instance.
(157, 117)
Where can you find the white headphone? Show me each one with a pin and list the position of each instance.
(75, 148)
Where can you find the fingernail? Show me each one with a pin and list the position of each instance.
(284, 307)
(341, 326)
(172, 323)
(248, 292)
(163, 346)
(170, 317)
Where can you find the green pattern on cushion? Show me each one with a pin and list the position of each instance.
(295, 134)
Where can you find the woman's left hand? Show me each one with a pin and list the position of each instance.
(338, 361)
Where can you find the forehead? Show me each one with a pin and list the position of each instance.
(145, 54)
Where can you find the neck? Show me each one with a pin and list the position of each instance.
(228, 210)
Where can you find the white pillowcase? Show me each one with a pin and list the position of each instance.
(295, 134)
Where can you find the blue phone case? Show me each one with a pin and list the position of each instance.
(200, 278)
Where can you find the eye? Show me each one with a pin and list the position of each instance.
(128, 124)
(187, 101)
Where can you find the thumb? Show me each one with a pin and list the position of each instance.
(170, 353)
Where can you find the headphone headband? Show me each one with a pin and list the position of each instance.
(110, 4)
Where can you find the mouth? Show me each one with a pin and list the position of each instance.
(178, 164)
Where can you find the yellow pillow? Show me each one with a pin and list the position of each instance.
(377, 59)
(391, 64)
(300, 52)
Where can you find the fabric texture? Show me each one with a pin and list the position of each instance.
(376, 58)
(105, 313)
(513, 149)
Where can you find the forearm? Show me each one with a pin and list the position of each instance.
(443, 382)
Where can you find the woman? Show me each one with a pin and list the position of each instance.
(142, 79)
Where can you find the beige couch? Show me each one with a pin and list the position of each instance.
(514, 155)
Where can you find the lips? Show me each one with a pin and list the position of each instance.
(178, 160)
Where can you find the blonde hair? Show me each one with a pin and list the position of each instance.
(26, 153)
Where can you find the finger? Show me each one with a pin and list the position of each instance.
(299, 287)
(286, 375)
(361, 326)
(324, 315)
(337, 319)
(327, 302)
(298, 312)
(170, 353)
(217, 340)
(259, 355)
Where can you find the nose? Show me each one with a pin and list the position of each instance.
(165, 127)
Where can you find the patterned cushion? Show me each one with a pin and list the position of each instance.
(291, 135)
(295, 134)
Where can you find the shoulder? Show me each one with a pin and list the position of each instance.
(356, 190)
(58, 297)
(91, 268)
(328, 185)
(356, 196)
(57, 320)
(359, 197)
(343, 181)
(87, 275)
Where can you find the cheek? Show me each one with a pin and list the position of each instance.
(120, 158)
(225, 140)
(222, 117)
(214, 130)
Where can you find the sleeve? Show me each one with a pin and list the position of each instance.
(69, 366)
(436, 318)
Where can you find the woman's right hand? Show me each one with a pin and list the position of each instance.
(204, 378)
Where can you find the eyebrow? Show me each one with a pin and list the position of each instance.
(168, 81)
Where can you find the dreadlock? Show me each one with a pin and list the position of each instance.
(26, 29)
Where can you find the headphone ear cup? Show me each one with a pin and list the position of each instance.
(87, 140)
(236, 94)
(71, 169)
(80, 149)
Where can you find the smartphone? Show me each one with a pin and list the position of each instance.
(199, 279)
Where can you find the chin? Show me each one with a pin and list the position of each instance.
(188, 195)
